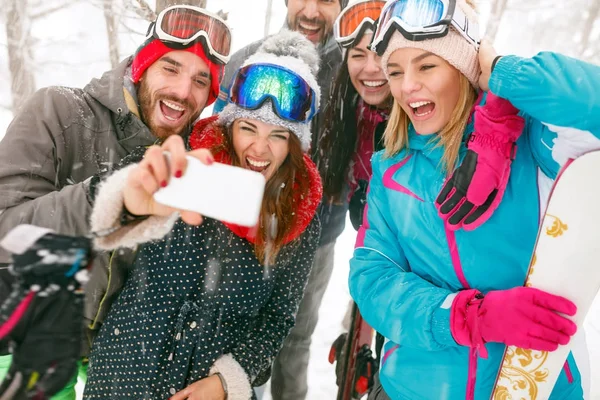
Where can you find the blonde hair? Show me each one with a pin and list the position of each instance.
(395, 137)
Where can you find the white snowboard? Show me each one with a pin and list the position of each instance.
(565, 262)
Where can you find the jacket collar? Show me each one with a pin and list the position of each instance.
(429, 145)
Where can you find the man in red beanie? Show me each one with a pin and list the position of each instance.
(175, 83)
(62, 141)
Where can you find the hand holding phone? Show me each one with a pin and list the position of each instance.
(169, 179)
(218, 191)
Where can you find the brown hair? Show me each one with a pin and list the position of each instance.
(279, 208)
(338, 138)
(395, 136)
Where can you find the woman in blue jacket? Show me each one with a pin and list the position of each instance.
(444, 297)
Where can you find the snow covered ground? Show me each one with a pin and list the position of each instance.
(72, 48)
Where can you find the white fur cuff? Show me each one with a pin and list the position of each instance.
(107, 212)
(238, 385)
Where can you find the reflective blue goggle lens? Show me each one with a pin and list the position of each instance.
(416, 13)
(292, 97)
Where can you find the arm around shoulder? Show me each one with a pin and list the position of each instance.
(551, 88)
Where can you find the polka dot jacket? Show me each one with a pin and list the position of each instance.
(192, 298)
(196, 302)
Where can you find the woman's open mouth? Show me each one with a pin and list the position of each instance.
(422, 110)
(257, 165)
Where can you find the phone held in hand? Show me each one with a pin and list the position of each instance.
(220, 191)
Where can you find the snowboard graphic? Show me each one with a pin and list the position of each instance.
(565, 263)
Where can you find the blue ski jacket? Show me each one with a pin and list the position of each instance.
(407, 266)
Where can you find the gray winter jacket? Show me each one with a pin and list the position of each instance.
(58, 140)
(332, 215)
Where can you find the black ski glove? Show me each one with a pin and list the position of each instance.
(337, 355)
(42, 319)
(357, 204)
(477, 186)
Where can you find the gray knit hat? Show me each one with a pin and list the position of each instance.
(293, 51)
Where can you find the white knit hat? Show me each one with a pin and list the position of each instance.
(293, 51)
(453, 48)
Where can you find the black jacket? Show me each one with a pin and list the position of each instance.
(197, 295)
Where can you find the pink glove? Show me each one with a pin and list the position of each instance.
(476, 187)
(522, 316)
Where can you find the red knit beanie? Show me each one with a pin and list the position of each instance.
(147, 54)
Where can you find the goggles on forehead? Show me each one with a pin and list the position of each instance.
(419, 20)
(355, 19)
(181, 26)
(292, 97)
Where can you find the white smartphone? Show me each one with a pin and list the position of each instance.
(218, 191)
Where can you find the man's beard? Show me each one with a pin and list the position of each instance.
(148, 102)
(325, 29)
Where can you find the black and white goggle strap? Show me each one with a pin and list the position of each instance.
(468, 29)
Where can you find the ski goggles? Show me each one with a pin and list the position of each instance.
(354, 20)
(419, 20)
(292, 97)
(181, 26)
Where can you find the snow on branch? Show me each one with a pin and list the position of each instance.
(51, 10)
(144, 10)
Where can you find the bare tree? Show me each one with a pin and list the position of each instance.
(20, 57)
(162, 4)
(268, 14)
(110, 16)
(144, 10)
(223, 15)
(498, 8)
(588, 26)
(41, 12)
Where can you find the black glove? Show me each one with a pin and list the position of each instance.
(477, 186)
(6, 281)
(262, 377)
(357, 204)
(42, 319)
(337, 354)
